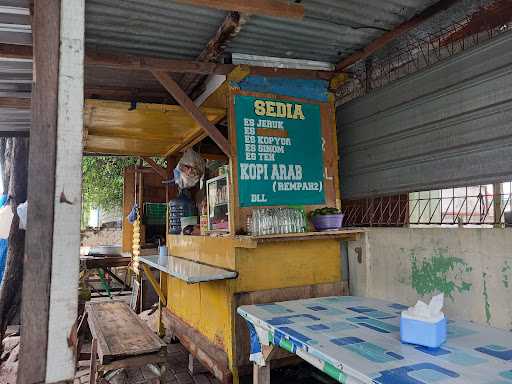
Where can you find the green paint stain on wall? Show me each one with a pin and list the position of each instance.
(505, 271)
(440, 273)
(486, 297)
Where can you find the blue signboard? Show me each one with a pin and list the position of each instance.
(280, 159)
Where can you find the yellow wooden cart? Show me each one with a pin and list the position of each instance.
(199, 308)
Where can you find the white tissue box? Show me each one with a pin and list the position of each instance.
(427, 333)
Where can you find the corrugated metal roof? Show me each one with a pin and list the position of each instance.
(329, 31)
(15, 74)
(159, 28)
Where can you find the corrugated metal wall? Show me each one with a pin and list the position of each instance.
(446, 126)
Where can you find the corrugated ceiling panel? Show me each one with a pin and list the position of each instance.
(450, 125)
(150, 27)
(329, 31)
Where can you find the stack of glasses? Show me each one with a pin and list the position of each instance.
(274, 221)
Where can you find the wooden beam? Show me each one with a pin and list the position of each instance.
(133, 62)
(15, 102)
(154, 283)
(115, 133)
(157, 168)
(229, 28)
(391, 35)
(14, 51)
(274, 8)
(181, 97)
(60, 365)
(144, 63)
(41, 194)
(122, 61)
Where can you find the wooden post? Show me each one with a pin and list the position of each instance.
(261, 375)
(93, 367)
(49, 306)
(41, 192)
(68, 193)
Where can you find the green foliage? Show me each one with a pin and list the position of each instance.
(103, 181)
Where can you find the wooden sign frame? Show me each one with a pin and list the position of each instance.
(239, 215)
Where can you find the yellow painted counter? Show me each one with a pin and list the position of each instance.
(268, 271)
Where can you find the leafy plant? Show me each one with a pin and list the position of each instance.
(325, 211)
(102, 181)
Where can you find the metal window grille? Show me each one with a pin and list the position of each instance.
(483, 205)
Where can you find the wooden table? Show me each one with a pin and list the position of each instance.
(103, 264)
(104, 261)
(122, 340)
(356, 340)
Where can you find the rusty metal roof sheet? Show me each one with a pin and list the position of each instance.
(329, 31)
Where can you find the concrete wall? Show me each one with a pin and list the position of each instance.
(473, 267)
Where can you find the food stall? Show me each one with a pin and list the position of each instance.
(251, 239)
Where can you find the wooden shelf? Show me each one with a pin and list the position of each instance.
(253, 241)
(344, 234)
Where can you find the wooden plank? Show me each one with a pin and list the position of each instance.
(15, 51)
(120, 332)
(15, 102)
(41, 192)
(91, 262)
(274, 8)
(93, 368)
(181, 97)
(229, 28)
(346, 234)
(60, 364)
(387, 37)
(261, 375)
(209, 355)
(154, 283)
(147, 63)
(157, 168)
(128, 201)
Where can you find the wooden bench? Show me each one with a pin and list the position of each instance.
(122, 340)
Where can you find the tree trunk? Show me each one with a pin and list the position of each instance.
(16, 166)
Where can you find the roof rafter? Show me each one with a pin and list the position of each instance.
(274, 8)
(182, 98)
(229, 28)
(123, 61)
(387, 37)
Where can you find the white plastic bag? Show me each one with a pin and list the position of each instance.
(189, 170)
(22, 214)
(6, 217)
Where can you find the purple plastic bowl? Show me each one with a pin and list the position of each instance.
(327, 222)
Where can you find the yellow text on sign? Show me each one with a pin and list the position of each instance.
(277, 109)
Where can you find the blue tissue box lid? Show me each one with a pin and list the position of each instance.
(418, 332)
